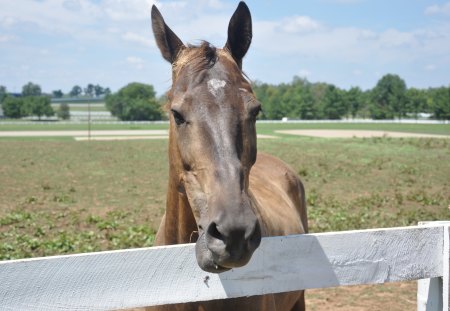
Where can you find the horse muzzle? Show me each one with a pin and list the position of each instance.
(222, 247)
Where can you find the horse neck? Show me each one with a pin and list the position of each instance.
(180, 225)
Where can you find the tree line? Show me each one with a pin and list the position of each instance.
(389, 99)
(300, 99)
(33, 102)
(90, 90)
(30, 103)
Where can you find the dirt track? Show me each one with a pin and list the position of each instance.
(99, 135)
(81, 133)
(355, 133)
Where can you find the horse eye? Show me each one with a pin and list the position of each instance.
(255, 111)
(178, 117)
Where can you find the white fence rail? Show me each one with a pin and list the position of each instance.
(170, 274)
(52, 120)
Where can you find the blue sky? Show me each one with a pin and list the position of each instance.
(58, 44)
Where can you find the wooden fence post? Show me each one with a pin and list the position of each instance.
(433, 294)
(446, 269)
(429, 294)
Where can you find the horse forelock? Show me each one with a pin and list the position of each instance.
(198, 58)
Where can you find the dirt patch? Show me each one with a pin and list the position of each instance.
(356, 133)
(389, 296)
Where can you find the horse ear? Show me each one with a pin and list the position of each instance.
(168, 42)
(239, 33)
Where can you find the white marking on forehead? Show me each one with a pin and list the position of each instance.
(242, 89)
(214, 85)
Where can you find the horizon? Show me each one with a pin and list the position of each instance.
(58, 44)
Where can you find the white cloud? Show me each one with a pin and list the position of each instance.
(136, 62)
(395, 38)
(437, 9)
(130, 10)
(354, 45)
(7, 38)
(299, 24)
(216, 4)
(50, 16)
(134, 37)
(304, 73)
(7, 21)
(80, 33)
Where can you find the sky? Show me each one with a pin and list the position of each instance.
(61, 43)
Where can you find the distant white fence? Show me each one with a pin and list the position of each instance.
(170, 274)
(390, 121)
(52, 120)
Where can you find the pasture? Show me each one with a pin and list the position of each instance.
(60, 196)
(263, 128)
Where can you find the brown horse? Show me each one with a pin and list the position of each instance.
(221, 194)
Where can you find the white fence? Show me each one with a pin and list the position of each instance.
(52, 120)
(170, 274)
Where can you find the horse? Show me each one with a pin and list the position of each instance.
(221, 194)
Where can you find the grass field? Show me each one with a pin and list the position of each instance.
(61, 196)
(263, 128)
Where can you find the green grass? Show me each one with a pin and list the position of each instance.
(68, 197)
(63, 197)
(263, 128)
(369, 183)
(441, 129)
(36, 126)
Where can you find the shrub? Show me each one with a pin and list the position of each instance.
(134, 102)
(64, 111)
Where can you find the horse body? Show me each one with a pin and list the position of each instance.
(279, 201)
(221, 194)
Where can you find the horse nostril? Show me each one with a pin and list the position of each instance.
(255, 236)
(214, 232)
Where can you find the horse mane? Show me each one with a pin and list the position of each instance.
(199, 57)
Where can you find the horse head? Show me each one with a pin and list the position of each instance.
(213, 113)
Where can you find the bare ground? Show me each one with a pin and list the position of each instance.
(390, 296)
(355, 133)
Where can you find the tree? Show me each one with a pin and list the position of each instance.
(31, 89)
(440, 98)
(14, 107)
(307, 110)
(39, 106)
(98, 90)
(64, 111)
(333, 107)
(57, 94)
(273, 109)
(3, 93)
(389, 98)
(134, 102)
(416, 101)
(89, 90)
(354, 100)
(76, 91)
